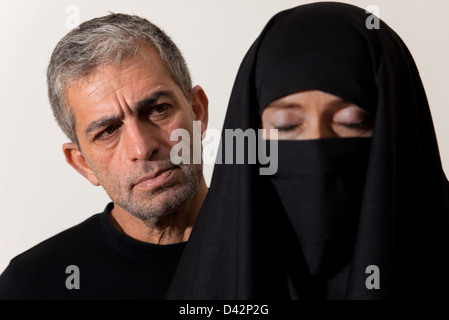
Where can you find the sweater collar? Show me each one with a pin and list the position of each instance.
(127, 243)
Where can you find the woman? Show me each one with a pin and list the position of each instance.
(359, 206)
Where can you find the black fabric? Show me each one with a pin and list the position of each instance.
(311, 49)
(111, 265)
(247, 244)
(320, 184)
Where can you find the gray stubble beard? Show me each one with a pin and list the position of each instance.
(153, 213)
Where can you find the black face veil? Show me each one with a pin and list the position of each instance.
(245, 245)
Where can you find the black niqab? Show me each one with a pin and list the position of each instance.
(247, 244)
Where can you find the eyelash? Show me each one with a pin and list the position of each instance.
(361, 125)
(164, 106)
(287, 128)
(105, 132)
(151, 110)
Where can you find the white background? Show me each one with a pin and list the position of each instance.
(41, 195)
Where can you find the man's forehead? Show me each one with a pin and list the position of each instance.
(107, 80)
(108, 83)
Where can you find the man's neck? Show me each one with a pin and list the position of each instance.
(174, 228)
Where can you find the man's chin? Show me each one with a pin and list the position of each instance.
(159, 202)
(164, 199)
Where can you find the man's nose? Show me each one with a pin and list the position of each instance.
(141, 140)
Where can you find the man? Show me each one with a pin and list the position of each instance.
(118, 87)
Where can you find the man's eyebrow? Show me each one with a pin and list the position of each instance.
(137, 107)
(99, 123)
(151, 99)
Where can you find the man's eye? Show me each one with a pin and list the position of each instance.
(109, 131)
(159, 109)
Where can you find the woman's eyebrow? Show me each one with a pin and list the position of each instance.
(338, 102)
(288, 105)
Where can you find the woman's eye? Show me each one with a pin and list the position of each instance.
(356, 125)
(353, 117)
(286, 128)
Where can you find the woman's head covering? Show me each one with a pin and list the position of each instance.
(247, 242)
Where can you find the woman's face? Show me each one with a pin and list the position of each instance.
(314, 114)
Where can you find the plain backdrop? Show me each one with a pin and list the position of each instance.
(41, 195)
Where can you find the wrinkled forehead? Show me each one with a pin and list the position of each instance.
(320, 47)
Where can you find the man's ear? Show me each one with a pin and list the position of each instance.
(200, 105)
(75, 158)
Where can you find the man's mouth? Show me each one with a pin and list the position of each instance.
(155, 179)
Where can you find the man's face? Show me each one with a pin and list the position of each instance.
(124, 117)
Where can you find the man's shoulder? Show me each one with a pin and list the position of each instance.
(39, 266)
(62, 242)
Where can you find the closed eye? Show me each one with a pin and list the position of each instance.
(287, 127)
(356, 125)
(353, 117)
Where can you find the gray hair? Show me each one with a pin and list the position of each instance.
(102, 41)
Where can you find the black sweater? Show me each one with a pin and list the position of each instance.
(109, 265)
